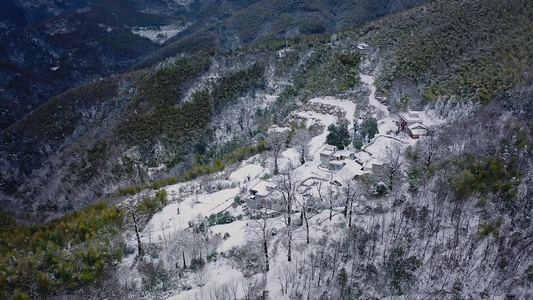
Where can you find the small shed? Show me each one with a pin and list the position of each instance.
(336, 165)
(327, 154)
(373, 165)
(416, 130)
(261, 190)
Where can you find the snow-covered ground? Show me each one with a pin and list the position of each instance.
(158, 34)
(247, 173)
(369, 80)
(189, 202)
(177, 216)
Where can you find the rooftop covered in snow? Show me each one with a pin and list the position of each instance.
(262, 188)
(410, 118)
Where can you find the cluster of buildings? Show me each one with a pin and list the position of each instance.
(333, 159)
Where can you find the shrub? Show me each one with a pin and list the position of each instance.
(220, 218)
(212, 257)
(489, 228)
(379, 189)
(338, 135)
(400, 270)
(172, 180)
(20, 295)
(156, 279)
(358, 143)
(236, 201)
(130, 190)
(151, 205)
(491, 176)
(197, 263)
(529, 273)
(158, 184)
(369, 128)
(65, 254)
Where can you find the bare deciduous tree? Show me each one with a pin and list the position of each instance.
(136, 220)
(392, 158)
(307, 204)
(351, 191)
(430, 148)
(252, 286)
(300, 141)
(286, 185)
(262, 224)
(328, 196)
(200, 276)
(179, 243)
(276, 142)
(402, 92)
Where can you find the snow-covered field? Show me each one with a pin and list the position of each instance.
(177, 216)
(160, 34)
(189, 202)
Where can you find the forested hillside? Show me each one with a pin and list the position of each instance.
(50, 46)
(121, 127)
(274, 20)
(447, 217)
(475, 50)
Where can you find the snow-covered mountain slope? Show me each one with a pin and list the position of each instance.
(225, 187)
(368, 251)
(206, 104)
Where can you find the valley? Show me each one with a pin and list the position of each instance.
(267, 150)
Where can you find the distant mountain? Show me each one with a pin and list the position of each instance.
(48, 47)
(14, 14)
(90, 141)
(40, 61)
(11, 15)
(270, 20)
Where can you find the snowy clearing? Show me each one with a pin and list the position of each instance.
(158, 34)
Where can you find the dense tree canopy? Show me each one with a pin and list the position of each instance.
(369, 128)
(338, 135)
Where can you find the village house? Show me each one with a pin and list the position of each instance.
(261, 190)
(412, 124)
(336, 165)
(326, 154)
(373, 165)
(258, 193)
(416, 130)
(408, 119)
(333, 159)
(343, 154)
